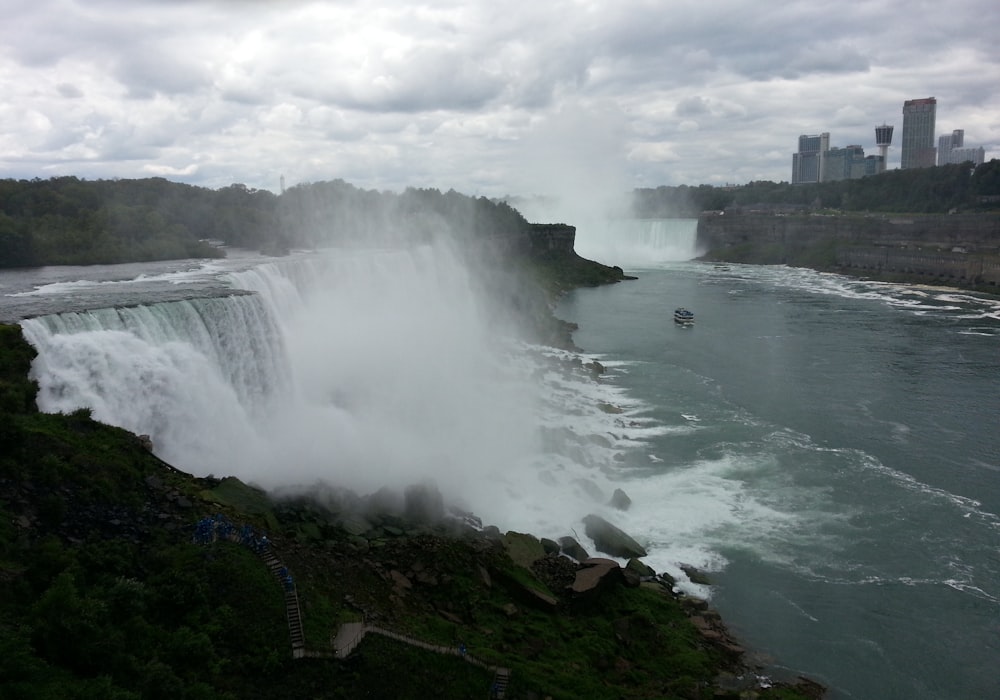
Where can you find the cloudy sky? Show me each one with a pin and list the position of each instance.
(488, 98)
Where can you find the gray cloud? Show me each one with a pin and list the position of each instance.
(464, 94)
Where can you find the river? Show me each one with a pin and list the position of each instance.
(826, 449)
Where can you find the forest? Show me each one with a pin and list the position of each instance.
(71, 221)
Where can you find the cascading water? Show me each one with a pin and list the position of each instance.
(638, 242)
(357, 368)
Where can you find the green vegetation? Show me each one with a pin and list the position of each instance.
(923, 190)
(69, 221)
(104, 594)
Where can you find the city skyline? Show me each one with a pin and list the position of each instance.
(814, 161)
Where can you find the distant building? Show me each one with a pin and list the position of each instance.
(950, 150)
(918, 133)
(844, 164)
(874, 165)
(808, 163)
(948, 143)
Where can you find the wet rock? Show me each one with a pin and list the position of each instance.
(610, 539)
(639, 568)
(620, 500)
(695, 575)
(571, 548)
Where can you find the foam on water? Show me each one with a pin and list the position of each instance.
(920, 299)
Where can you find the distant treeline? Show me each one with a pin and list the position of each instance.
(69, 221)
(923, 190)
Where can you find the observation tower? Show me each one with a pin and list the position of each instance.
(883, 137)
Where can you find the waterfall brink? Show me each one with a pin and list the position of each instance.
(638, 242)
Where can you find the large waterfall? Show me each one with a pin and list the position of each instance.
(638, 242)
(360, 368)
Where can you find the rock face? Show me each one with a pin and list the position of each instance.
(611, 540)
(954, 249)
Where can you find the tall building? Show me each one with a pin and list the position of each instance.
(918, 133)
(844, 164)
(951, 150)
(807, 164)
(947, 143)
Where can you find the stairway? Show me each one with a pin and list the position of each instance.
(501, 678)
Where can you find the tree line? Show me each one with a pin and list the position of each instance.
(940, 189)
(70, 221)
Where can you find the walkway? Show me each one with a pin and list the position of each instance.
(350, 634)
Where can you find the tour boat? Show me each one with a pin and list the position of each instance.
(683, 316)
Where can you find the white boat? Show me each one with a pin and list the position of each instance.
(683, 316)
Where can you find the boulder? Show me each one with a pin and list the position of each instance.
(640, 569)
(550, 546)
(611, 540)
(595, 367)
(523, 549)
(595, 575)
(571, 548)
(695, 575)
(620, 500)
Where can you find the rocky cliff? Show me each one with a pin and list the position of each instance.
(961, 250)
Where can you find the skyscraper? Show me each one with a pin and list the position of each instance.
(918, 133)
(807, 164)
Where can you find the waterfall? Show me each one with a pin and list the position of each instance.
(359, 368)
(638, 242)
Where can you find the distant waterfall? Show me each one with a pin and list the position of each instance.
(638, 242)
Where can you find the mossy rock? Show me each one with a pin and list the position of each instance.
(523, 549)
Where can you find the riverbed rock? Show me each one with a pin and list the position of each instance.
(610, 539)
(620, 500)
